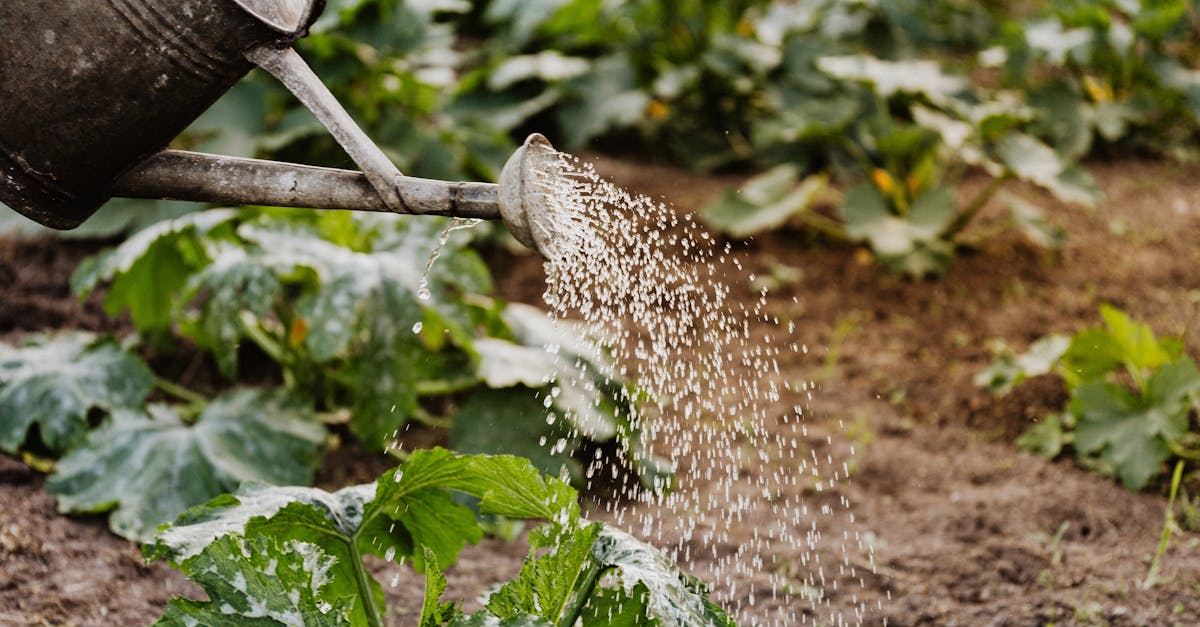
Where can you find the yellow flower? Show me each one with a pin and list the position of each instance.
(883, 181)
(914, 184)
(1099, 92)
(657, 110)
(298, 331)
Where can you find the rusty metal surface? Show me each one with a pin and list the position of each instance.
(89, 88)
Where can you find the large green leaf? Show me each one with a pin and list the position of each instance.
(911, 244)
(1096, 353)
(1031, 160)
(147, 468)
(234, 282)
(362, 308)
(257, 581)
(606, 98)
(148, 271)
(404, 514)
(547, 582)
(570, 575)
(517, 422)
(562, 578)
(1133, 432)
(919, 77)
(53, 382)
(505, 485)
(765, 202)
(671, 596)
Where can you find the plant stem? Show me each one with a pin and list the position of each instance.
(587, 584)
(364, 585)
(179, 392)
(974, 208)
(826, 226)
(1168, 528)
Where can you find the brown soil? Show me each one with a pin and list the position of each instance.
(963, 524)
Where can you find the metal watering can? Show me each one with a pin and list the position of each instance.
(92, 91)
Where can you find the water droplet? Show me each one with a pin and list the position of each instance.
(418, 326)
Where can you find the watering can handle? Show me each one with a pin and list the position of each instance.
(286, 65)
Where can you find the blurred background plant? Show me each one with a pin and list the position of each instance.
(890, 123)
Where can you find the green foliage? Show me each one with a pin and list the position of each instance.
(1133, 398)
(1112, 73)
(148, 466)
(258, 582)
(1008, 369)
(318, 539)
(52, 383)
(335, 299)
(1122, 343)
(766, 202)
(1133, 431)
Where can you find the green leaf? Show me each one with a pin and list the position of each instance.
(149, 270)
(931, 213)
(867, 217)
(1094, 353)
(1045, 439)
(516, 422)
(671, 596)
(433, 612)
(256, 581)
(483, 619)
(407, 510)
(604, 99)
(147, 468)
(1031, 160)
(1008, 370)
(569, 578)
(1134, 432)
(919, 77)
(764, 203)
(231, 284)
(618, 608)
(361, 308)
(910, 244)
(1031, 221)
(548, 582)
(504, 364)
(53, 382)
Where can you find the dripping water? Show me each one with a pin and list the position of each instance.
(453, 225)
(655, 290)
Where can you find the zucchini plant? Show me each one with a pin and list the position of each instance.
(340, 325)
(295, 555)
(1133, 398)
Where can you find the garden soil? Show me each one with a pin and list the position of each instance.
(965, 528)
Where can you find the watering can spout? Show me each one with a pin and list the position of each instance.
(93, 91)
(522, 198)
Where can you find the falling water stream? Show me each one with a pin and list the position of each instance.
(655, 291)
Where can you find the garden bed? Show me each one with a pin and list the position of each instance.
(966, 528)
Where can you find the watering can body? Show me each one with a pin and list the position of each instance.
(93, 91)
(91, 88)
